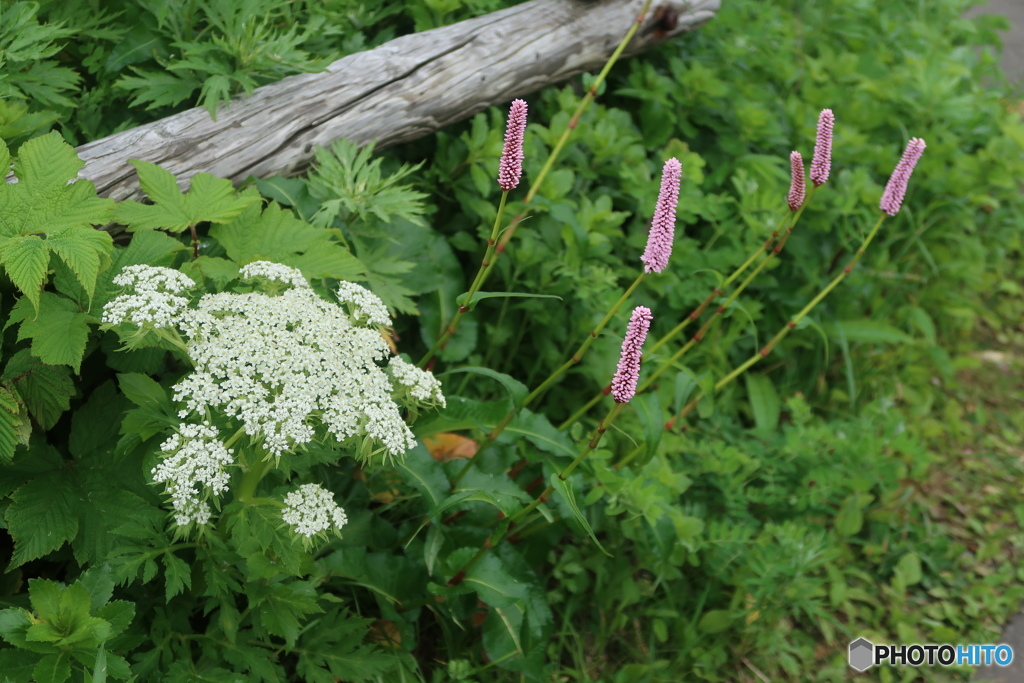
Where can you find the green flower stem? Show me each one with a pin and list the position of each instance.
(578, 356)
(486, 265)
(546, 384)
(496, 538)
(251, 479)
(695, 314)
(770, 346)
(493, 250)
(574, 121)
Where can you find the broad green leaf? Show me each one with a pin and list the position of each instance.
(209, 199)
(42, 517)
(55, 668)
(517, 391)
(462, 413)
(265, 236)
(565, 488)
(495, 584)
(715, 621)
(869, 331)
(648, 407)
(909, 568)
(425, 474)
(48, 197)
(25, 258)
(144, 391)
(291, 192)
(81, 249)
(59, 333)
(45, 389)
(12, 423)
(764, 402)
(327, 258)
(539, 431)
(850, 518)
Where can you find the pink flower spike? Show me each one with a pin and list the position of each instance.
(510, 170)
(896, 188)
(663, 227)
(822, 159)
(796, 187)
(628, 372)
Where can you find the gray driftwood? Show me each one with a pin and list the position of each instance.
(399, 91)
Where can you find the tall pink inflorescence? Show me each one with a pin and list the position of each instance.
(896, 188)
(796, 186)
(821, 162)
(628, 372)
(510, 170)
(663, 227)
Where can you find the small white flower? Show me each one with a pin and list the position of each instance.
(423, 386)
(365, 304)
(193, 469)
(275, 271)
(311, 509)
(153, 302)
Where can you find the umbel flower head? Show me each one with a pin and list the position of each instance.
(311, 510)
(510, 170)
(663, 226)
(628, 372)
(155, 303)
(287, 365)
(896, 188)
(796, 185)
(821, 162)
(193, 470)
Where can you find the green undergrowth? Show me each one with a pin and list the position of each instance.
(863, 480)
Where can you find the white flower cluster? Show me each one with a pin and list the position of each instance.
(365, 304)
(311, 510)
(154, 301)
(193, 468)
(274, 271)
(279, 362)
(422, 385)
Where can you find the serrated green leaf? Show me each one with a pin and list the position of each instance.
(144, 391)
(495, 584)
(282, 607)
(42, 516)
(177, 575)
(81, 249)
(25, 258)
(209, 199)
(55, 668)
(11, 424)
(45, 201)
(45, 389)
(59, 333)
(337, 646)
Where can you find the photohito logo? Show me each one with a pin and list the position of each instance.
(864, 654)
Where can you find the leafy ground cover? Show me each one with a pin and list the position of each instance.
(862, 480)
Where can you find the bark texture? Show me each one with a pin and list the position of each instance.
(399, 91)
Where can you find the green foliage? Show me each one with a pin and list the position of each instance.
(861, 481)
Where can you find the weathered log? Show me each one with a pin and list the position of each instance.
(396, 92)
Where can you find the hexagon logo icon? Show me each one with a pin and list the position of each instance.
(861, 654)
